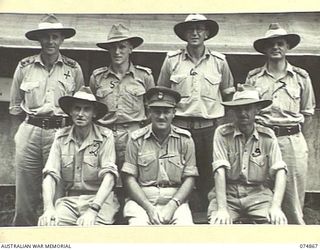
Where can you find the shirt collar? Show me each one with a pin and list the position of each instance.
(237, 132)
(131, 70)
(39, 60)
(150, 133)
(206, 53)
(94, 135)
(264, 70)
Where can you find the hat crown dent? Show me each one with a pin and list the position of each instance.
(195, 17)
(118, 31)
(275, 30)
(49, 18)
(246, 94)
(86, 94)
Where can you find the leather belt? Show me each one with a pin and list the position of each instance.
(119, 126)
(193, 122)
(80, 192)
(48, 122)
(166, 185)
(283, 130)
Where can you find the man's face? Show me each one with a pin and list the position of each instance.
(245, 114)
(277, 48)
(196, 33)
(50, 42)
(120, 52)
(82, 113)
(161, 117)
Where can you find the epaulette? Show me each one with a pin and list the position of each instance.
(99, 71)
(27, 61)
(254, 71)
(300, 71)
(68, 61)
(63, 132)
(226, 128)
(105, 131)
(175, 53)
(217, 54)
(265, 130)
(181, 131)
(144, 69)
(140, 132)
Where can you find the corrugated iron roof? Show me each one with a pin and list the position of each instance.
(236, 35)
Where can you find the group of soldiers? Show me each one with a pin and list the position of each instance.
(78, 141)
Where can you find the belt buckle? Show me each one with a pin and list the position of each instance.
(276, 130)
(45, 123)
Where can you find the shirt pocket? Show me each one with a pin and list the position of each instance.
(174, 169)
(148, 169)
(181, 84)
(210, 87)
(90, 169)
(258, 171)
(105, 95)
(133, 98)
(67, 170)
(32, 93)
(294, 100)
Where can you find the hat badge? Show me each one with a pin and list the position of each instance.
(160, 95)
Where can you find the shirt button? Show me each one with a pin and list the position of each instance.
(275, 96)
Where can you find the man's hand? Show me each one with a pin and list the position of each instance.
(154, 216)
(167, 212)
(276, 216)
(222, 216)
(88, 218)
(49, 218)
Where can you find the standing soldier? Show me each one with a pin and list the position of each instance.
(293, 105)
(203, 79)
(121, 87)
(38, 82)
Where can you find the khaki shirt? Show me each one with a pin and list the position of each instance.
(253, 162)
(82, 167)
(37, 91)
(124, 97)
(152, 163)
(292, 95)
(201, 85)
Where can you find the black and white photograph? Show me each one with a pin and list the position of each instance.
(160, 120)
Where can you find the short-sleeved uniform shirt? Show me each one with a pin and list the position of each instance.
(152, 164)
(37, 91)
(253, 162)
(124, 97)
(201, 85)
(82, 167)
(292, 95)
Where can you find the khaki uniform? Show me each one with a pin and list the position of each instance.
(80, 171)
(250, 170)
(36, 91)
(292, 97)
(201, 86)
(159, 170)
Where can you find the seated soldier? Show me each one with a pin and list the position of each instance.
(159, 166)
(246, 163)
(82, 161)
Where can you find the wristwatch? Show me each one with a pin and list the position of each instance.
(177, 201)
(95, 207)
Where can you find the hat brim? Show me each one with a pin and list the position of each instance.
(34, 34)
(161, 104)
(262, 103)
(134, 40)
(66, 103)
(211, 25)
(260, 45)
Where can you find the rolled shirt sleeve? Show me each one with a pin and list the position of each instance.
(107, 158)
(190, 168)
(16, 95)
(131, 159)
(275, 159)
(220, 154)
(227, 82)
(308, 104)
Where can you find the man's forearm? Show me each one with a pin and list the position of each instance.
(49, 189)
(220, 186)
(104, 189)
(279, 187)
